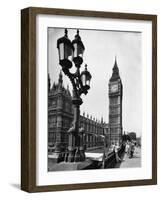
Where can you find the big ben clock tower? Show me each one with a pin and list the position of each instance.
(115, 106)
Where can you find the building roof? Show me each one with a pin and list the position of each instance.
(59, 87)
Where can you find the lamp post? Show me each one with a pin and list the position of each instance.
(69, 53)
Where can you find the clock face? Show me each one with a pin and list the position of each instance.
(114, 88)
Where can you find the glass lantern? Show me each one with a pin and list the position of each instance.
(78, 50)
(65, 50)
(86, 78)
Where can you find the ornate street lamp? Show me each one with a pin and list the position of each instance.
(68, 52)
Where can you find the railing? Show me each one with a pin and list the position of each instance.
(110, 161)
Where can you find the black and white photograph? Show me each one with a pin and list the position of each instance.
(94, 99)
(89, 99)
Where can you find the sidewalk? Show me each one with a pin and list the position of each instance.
(130, 162)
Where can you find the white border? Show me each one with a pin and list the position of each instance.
(67, 177)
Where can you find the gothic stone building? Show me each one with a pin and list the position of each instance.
(60, 117)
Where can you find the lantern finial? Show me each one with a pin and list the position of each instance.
(77, 36)
(66, 32)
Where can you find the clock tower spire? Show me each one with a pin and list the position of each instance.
(115, 105)
(115, 74)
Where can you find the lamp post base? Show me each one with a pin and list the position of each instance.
(82, 154)
(77, 156)
(70, 155)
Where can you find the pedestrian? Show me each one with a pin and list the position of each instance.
(116, 149)
(131, 149)
(127, 147)
(113, 146)
(103, 160)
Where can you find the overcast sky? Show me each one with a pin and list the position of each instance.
(101, 47)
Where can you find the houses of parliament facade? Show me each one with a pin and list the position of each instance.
(60, 116)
